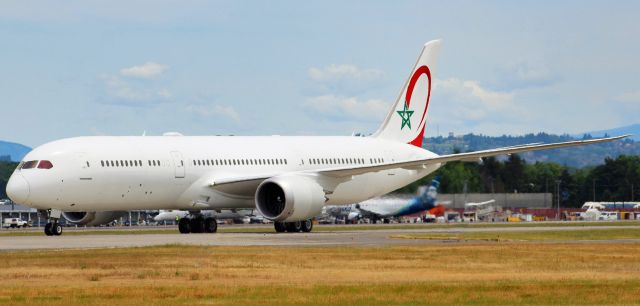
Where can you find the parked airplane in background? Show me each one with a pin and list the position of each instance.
(478, 204)
(237, 215)
(171, 215)
(388, 206)
(288, 179)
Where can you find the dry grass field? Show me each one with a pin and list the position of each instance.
(487, 273)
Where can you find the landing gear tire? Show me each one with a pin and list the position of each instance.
(307, 225)
(197, 225)
(184, 226)
(47, 229)
(56, 229)
(210, 225)
(280, 227)
(294, 227)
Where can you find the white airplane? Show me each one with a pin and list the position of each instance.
(171, 215)
(288, 179)
(237, 215)
(472, 205)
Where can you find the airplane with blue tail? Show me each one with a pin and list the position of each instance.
(389, 206)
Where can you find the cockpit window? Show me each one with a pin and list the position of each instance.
(45, 164)
(29, 164)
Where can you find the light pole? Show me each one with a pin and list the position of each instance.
(594, 190)
(558, 198)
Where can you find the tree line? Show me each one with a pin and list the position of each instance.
(6, 168)
(618, 179)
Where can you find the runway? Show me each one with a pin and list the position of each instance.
(356, 237)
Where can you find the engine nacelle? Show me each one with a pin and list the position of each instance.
(92, 218)
(289, 198)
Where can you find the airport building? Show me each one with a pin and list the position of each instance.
(12, 210)
(505, 200)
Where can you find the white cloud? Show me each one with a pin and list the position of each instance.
(466, 106)
(348, 107)
(472, 91)
(120, 91)
(526, 74)
(214, 111)
(343, 71)
(632, 97)
(344, 79)
(145, 71)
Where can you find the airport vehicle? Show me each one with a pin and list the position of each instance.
(608, 216)
(469, 216)
(14, 223)
(480, 211)
(288, 179)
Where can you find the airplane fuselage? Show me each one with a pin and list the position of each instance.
(179, 172)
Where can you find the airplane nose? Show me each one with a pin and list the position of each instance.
(18, 189)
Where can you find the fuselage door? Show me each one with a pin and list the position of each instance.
(178, 164)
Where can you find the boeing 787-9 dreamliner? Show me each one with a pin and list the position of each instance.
(287, 178)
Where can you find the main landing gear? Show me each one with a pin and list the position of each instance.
(197, 223)
(53, 228)
(294, 227)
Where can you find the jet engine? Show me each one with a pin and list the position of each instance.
(92, 218)
(289, 198)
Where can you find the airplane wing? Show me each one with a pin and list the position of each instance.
(471, 204)
(416, 164)
(246, 185)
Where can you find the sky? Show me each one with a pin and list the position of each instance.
(78, 68)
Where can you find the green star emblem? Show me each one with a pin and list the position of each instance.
(405, 114)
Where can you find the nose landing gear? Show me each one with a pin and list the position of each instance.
(53, 228)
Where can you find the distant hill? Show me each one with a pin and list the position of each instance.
(578, 157)
(629, 129)
(12, 151)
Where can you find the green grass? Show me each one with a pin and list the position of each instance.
(321, 228)
(595, 234)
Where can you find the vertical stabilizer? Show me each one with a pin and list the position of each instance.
(408, 117)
